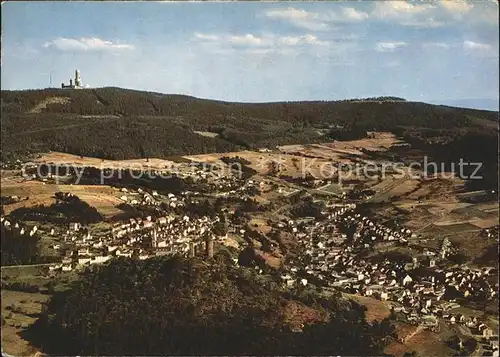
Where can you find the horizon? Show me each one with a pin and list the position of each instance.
(441, 53)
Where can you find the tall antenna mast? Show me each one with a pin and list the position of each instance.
(50, 85)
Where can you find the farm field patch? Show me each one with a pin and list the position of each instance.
(104, 198)
(19, 310)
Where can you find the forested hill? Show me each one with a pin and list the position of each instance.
(120, 123)
(175, 306)
(376, 112)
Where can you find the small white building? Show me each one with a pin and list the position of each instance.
(406, 280)
(67, 267)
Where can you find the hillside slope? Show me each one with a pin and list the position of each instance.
(130, 102)
(121, 123)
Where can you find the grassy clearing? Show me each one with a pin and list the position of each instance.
(376, 310)
(458, 228)
(37, 276)
(404, 188)
(470, 244)
(100, 228)
(472, 212)
(104, 198)
(23, 271)
(333, 188)
(424, 343)
(19, 310)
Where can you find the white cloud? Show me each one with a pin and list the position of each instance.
(353, 14)
(476, 46)
(483, 12)
(315, 21)
(231, 40)
(299, 18)
(265, 41)
(456, 6)
(248, 39)
(85, 45)
(436, 45)
(436, 14)
(479, 49)
(301, 40)
(387, 9)
(389, 46)
(202, 36)
(406, 14)
(292, 14)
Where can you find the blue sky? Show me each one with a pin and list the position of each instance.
(251, 51)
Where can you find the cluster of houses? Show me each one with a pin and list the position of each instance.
(139, 237)
(224, 186)
(12, 165)
(142, 238)
(145, 237)
(142, 197)
(215, 177)
(342, 251)
(211, 177)
(424, 290)
(18, 228)
(491, 233)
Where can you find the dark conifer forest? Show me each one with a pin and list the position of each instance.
(175, 306)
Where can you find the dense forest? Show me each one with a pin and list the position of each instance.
(124, 102)
(474, 147)
(17, 248)
(175, 306)
(119, 123)
(128, 137)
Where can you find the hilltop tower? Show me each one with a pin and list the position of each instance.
(78, 80)
(77, 83)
